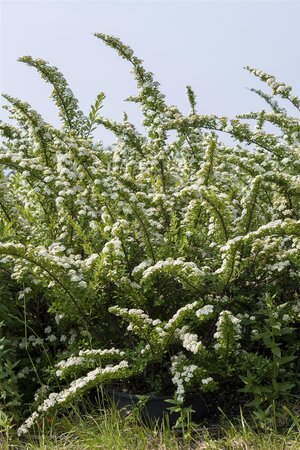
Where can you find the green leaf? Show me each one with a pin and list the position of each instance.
(276, 351)
(284, 387)
(287, 359)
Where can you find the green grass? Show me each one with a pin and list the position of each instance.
(111, 430)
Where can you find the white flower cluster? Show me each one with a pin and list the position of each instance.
(98, 352)
(85, 359)
(65, 395)
(140, 323)
(23, 373)
(89, 261)
(35, 340)
(73, 361)
(279, 226)
(142, 266)
(180, 315)
(189, 340)
(133, 313)
(204, 311)
(277, 87)
(182, 374)
(187, 269)
(41, 393)
(228, 332)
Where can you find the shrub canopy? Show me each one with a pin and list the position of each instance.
(192, 241)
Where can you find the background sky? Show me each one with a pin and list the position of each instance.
(201, 43)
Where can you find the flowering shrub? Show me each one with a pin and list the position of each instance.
(183, 238)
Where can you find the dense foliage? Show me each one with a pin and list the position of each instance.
(170, 260)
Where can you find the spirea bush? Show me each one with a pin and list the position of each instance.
(169, 262)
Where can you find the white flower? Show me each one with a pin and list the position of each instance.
(58, 318)
(204, 311)
(89, 261)
(38, 341)
(75, 278)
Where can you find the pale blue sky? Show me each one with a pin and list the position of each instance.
(201, 43)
